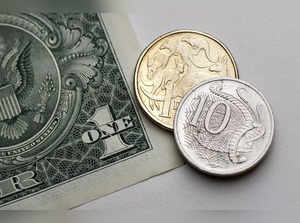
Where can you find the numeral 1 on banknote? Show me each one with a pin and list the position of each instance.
(65, 108)
(108, 131)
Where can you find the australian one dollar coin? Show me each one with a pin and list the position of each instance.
(172, 65)
(224, 126)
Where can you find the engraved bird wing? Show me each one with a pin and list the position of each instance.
(9, 66)
(20, 74)
(19, 70)
(25, 69)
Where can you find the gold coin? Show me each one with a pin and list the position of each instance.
(173, 64)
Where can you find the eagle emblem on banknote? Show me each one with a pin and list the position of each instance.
(48, 65)
(65, 108)
(16, 89)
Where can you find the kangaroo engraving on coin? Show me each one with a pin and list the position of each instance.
(224, 126)
(174, 64)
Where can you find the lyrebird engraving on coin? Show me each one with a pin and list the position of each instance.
(224, 126)
(174, 64)
(65, 108)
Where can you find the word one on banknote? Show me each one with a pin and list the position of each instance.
(65, 109)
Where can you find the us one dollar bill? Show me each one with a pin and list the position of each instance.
(69, 128)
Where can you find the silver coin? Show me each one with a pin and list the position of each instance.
(224, 127)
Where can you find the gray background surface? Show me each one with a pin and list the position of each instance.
(263, 37)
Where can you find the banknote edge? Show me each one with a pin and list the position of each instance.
(114, 163)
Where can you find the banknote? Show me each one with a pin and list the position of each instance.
(69, 128)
